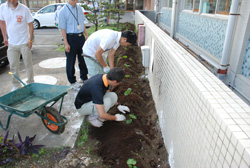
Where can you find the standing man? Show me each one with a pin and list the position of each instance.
(58, 8)
(18, 23)
(71, 23)
(94, 101)
(101, 41)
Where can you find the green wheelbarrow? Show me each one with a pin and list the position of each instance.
(36, 98)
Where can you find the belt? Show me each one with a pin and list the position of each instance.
(75, 34)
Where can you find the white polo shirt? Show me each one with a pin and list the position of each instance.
(105, 38)
(17, 23)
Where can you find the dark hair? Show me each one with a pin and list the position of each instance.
(116, 74)
(131, 36)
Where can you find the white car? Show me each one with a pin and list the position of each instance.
(45, 16)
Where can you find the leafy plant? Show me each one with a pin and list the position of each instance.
(127, 76)
(127, 65)
(9, 150)
(41, 152)
(83, 138)
(125, 56)
(131, 163)
(93, 17)
(131, 116)
(131, 59)
(128, 91)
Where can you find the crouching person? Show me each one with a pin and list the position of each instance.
(94, 101)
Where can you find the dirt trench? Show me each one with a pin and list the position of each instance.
(140, 140)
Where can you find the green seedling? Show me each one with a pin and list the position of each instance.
(125, 56)
(128, 91)
(127, 65)
(127, 76)
(83, 135)
(41, 152)
(88, 150)
(131, 116)
(131, 163)
(131, 59)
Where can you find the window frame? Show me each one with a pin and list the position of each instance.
(217, 3)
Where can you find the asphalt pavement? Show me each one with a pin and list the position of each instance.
(49, 68)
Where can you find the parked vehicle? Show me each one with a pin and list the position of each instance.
(3, 52)
(45, 16)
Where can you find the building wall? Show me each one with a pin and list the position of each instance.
(206, 32)
(203, 123)
(205, 35)
(246, 62)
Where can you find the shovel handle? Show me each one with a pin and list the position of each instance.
(17, 78)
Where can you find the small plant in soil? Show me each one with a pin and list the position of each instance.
(131, 163)
(127, 65)
(131, 116)
(127, 92)
(127, 76)
(83, 138)
(131, 59)
(120, 57)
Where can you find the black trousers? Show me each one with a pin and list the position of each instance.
(76, 43)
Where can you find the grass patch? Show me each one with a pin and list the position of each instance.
(61, 48)
(84, 135)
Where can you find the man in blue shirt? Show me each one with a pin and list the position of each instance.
(71, 23)
(94, 101)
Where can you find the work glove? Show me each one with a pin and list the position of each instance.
(120, 117)
(123, 109)
(106, 69)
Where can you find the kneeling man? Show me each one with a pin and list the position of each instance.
(94, 100)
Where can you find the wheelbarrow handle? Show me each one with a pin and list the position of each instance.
(17, 78)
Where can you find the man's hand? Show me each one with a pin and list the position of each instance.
(120, 117)
(6, 42)
(67, 47)
(29, 44)
(106, 69)
(123, 109)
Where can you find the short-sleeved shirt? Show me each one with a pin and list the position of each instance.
(17, 21)
(92, 90)
(105, 38)
(70, 17)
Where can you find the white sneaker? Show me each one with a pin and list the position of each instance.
(94, 121)
(76, 86)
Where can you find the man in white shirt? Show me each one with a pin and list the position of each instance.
(16, 20)
(101, 41)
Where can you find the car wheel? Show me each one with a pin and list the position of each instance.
(4, 62)
(36, 24)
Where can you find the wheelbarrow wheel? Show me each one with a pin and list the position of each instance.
(55, 116)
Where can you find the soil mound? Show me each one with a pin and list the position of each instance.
(141, 139)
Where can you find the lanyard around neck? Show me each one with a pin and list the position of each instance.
(74, 15)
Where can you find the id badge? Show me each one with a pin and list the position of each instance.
(78, 27)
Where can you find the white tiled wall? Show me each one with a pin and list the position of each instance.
(204, 124)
